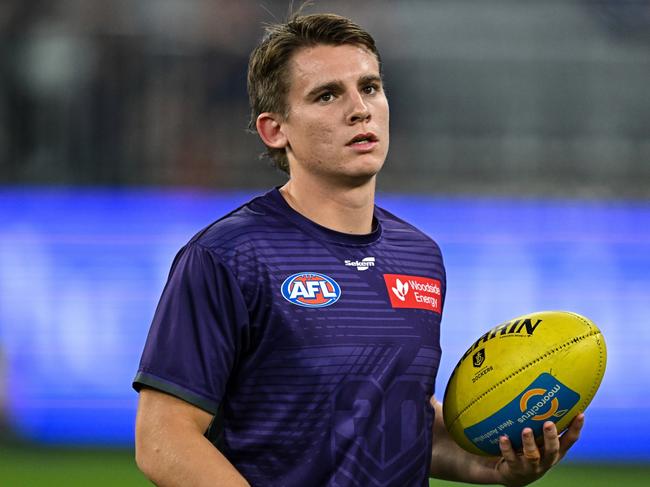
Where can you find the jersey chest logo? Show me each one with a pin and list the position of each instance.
(413, 292)
(311, 290)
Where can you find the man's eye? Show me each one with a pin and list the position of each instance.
(370, 89)
(326, 97)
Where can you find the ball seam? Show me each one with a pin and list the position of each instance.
(594, 386)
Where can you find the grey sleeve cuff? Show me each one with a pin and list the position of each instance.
(143, 379)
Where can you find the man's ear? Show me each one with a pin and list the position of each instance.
(270, 130)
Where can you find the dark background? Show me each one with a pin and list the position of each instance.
(494, 96)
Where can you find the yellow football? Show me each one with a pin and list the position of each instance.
(544, 366)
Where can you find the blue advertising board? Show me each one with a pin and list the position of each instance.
(81, 271)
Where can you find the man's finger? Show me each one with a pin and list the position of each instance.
(572, 434)
(507, 452)
(551, 444)
(531, 452)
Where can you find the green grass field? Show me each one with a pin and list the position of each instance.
(35, 467)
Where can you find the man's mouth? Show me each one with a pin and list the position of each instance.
(363, 139)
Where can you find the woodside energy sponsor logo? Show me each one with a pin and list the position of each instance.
(416, 292)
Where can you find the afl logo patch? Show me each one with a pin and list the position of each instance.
(311, 290)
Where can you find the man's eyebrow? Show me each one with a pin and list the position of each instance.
(370, 78)
(335, 86)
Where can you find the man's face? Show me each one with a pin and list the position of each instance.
(337, 126)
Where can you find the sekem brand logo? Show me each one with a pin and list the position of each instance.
(361, 265)
(311, 290)
(413, 292)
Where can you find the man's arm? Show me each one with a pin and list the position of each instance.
(450, 462)
(170, 448)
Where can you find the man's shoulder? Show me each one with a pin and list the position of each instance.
(234, 226)
(400, 229)
(258, 220)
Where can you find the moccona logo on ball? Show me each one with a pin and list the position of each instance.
(540, 398)
(546, 398)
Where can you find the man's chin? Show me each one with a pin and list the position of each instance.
(358, 178)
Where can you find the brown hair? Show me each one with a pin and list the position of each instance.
(268, 70)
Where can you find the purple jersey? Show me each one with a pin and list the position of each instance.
(317, 351)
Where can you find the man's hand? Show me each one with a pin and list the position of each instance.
(516, 469)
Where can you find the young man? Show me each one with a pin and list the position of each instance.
(299, 334)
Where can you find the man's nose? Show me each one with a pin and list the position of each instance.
(359, 111)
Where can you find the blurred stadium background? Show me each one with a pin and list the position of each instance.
(520, 142)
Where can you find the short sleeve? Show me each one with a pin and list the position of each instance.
(197, 331)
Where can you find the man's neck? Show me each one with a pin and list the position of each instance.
(344, 209)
